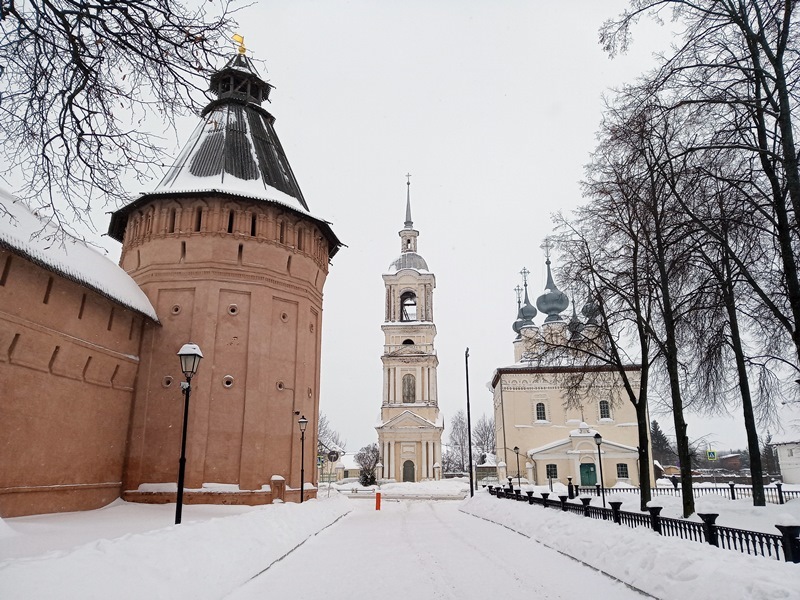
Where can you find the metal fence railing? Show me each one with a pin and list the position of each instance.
(784, 547)
(773, 495)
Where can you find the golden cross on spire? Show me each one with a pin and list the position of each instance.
(524, 274)
(518, 290)
(408, 178)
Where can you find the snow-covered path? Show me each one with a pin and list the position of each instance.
(426, 550)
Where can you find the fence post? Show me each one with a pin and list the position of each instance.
(597, 487)
(530, 496)
(563, 503)
(491, 487)
(733, 490)
(570, 488)
(544, 498)
(585, 502)
(615, 516)
(779, 485)
(791, 542)
(655, 519)
(710, 527)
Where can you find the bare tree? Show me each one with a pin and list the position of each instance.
(484, 436)
(79, 80)
(738, 61)
(457, 453)
(328, 438)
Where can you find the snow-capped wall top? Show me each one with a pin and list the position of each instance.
(23, 233)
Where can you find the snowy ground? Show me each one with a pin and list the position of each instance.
(343, 546)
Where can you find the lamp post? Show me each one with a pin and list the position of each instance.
(190, 356)
(516, 451)
(303, 423)
(469, 425)
(598, 439)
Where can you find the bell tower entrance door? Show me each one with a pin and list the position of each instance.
(408, 471)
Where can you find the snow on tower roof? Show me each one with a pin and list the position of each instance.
(25, 234)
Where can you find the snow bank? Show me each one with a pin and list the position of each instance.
(668, 568)
(201, 560)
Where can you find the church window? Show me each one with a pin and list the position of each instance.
(230, 221)
(605, 409)
(409, 389)
(552, 471)
(241, 253)
(408, 342)
(622, 471)
(253, 221)
(541, 412)
(281, 232)
(408, 305)
(198, 218)
(300, 235)
(83, 305)
(111, 319)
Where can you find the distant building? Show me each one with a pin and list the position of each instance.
(731, 462)
(225, 253)
(787, 448)
(538, 437)
(410, 430)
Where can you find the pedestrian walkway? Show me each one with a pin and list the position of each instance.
(417, 550)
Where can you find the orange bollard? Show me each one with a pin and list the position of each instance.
(377, 500)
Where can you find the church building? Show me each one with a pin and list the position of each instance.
(410, 429)
(225, 253)
(540, 436)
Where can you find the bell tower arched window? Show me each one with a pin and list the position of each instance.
(409, 389)
(408, 306)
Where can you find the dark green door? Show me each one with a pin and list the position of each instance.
(408, 471)
(588, 475)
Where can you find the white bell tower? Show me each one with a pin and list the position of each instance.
(410, 433)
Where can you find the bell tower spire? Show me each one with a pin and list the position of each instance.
(409, 224)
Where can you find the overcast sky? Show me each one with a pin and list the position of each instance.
(492, 107)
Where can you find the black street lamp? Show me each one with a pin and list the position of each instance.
(303, 423)
(598, 439)
(190, 356)
(516, 451)
(469, 426)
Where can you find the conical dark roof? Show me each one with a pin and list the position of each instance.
(234, 150)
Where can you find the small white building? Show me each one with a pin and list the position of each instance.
(787, 447)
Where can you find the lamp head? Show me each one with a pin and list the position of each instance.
(516, 449)
(303, 422)
(598, 439)
(190, 356)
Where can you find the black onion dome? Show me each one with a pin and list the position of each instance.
(528, 311)
(553, 302)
